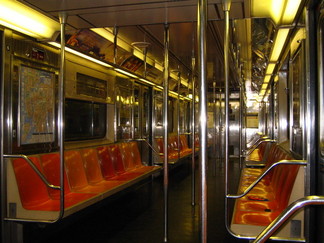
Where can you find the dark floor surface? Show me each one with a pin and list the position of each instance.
(137, 216)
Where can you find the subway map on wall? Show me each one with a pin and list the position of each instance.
(37, 106)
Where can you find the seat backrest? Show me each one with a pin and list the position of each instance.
(127, 156)
(32, 189)
(173, 143)
(51, 168)
(75, 170)
(116, 158)
(105, 162)
(135, 154)
(91, 165)
(159, 144)
(183, 142)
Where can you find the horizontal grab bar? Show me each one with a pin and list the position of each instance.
(250, 187)
(260, 142)
(150, 145)
(42, 177)
(289, 211)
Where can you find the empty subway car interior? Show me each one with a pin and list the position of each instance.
(162, 121)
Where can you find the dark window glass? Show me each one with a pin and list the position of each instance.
(84, 120)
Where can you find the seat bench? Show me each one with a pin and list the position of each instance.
(177, 149)
(271, 195)
(90, 175)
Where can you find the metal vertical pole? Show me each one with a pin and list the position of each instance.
(3, 176)
(165, 126)
(226, 8)
(215, 125)
(202, 25)
(145, 63)
(240, 125)
(115, 43)
(60, 122)
(178, 113)
(220, 127)
(193, 139)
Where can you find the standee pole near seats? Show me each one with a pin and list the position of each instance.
(178, 112)
(226, 9)
(63, 19)
(193, 117)
(201, 33)
(165, 128)
(241, 124)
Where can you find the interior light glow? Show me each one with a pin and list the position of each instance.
(147, 82)
(278, 45)
(174, 76)
(125, 72)
(266, 79)
(107, 34)
(24, 19)
(282, 12)
(276, 10)
(184, 82)
(70, 50)
(270, 68)
(138, 54)
(276, 79)
(290, 11)
(158, 66)
(264, 86)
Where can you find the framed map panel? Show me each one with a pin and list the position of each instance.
(36, 106)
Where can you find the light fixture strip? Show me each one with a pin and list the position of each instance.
(279, 44)
(70, 50)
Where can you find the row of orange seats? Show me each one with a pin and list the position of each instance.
(176, 149)
(260, 151)
(271, 195)
(91, 174)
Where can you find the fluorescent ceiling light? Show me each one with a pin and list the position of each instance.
(147, 82)
(262, 92)
(290, 11)
(276, 9)
(184, 82)
(174, 76)
(24, 19)
(264, 86)
(126, 73)
(282, 12)
(266, 79)
(158, 66)
(107, 34)
(270, 68)
(70, 50)
(278, 45)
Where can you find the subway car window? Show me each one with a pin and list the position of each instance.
(297, 100)
(84, 120)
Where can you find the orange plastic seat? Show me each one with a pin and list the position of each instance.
(93, 171)
(51, 168)
(117, 161)
(106, 164)
(264, 203)
(136, 157)
(185, 150)
(127, 157)
(77, 176)
(32, 190)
